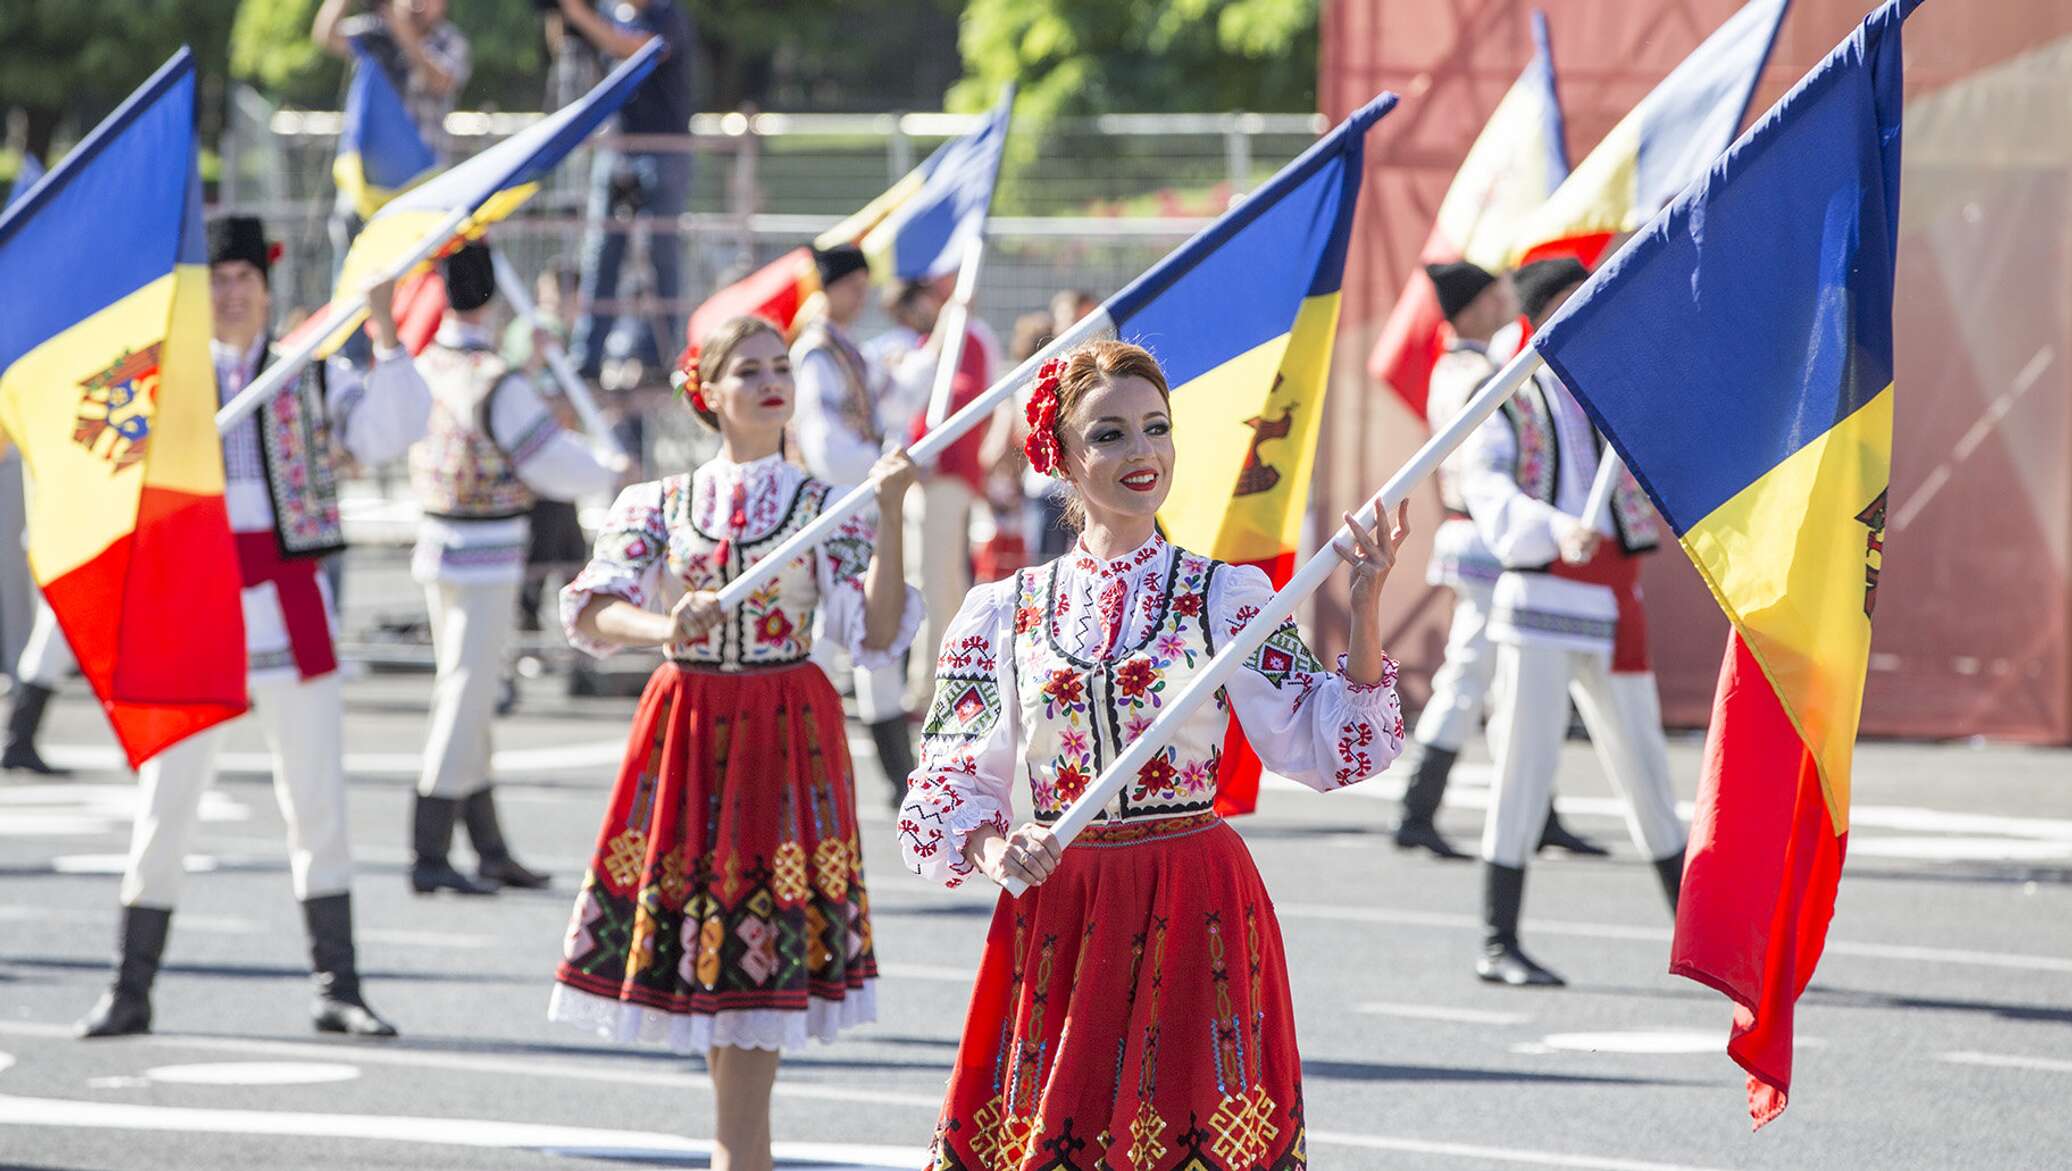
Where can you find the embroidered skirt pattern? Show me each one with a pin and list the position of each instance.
(725, 903)
(1131, 1013)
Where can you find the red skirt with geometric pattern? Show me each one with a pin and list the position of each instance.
(1131, 1012)
(725, 902)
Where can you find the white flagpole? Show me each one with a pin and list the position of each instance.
(973, 413)
(950, 330)
(571, 383)
(288, 365)
(1233, 655)
(1597, 511)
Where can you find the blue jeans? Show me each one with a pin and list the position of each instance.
(662, 185)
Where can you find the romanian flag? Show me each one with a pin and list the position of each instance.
(1738, 354)
(1517, 161)
(919, 229)
(485, 188)
(107, 387)
(1242, 319)
(379, 150)
(1661, 146)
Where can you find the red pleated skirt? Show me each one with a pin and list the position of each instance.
(725, 903)
(1132, 1012)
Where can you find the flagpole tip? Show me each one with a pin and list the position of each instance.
(1371, 113)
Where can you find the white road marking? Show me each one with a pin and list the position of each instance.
(117, 863)
(254, 1073)
(1482, 1154)
(87, 809)
(942, 972)
(1879, 951)
(1436, 1012)
(453, 1132)
(400, 938)
(2008, 1061)
(1649, 1041)
(1959, 849)
(588, 755)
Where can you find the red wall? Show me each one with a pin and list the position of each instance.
(1974, 624)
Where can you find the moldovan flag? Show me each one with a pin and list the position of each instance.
(919, 229)
(1658, 148)
(107, 386)
(1517, 161)
(379, 150)
(1738, 354)
(487, 187)
(1242, 319)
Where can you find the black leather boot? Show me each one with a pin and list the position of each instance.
(23, 721)
(1561, 837)
(895, 747)
(1414, 829)
(478, 810)
(125, 1009)
(1670, 871)
(1502, 961)
(431, 836)
(338, 1007)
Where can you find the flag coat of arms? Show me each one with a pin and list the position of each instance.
(1519, 159)
(1659, 147)
(1242, 319)
(1738, 354)
(107, 387)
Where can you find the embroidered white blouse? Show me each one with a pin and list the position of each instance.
(698, 532)
(1141, 622)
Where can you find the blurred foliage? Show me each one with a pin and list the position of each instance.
(82, 57)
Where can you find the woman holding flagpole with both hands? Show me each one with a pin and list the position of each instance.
(724, 910)
(1132, 1008)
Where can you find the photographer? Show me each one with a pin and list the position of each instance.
(423, 53)
(644, 175)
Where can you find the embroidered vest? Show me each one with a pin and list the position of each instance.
(1538, 470)
(301, 461)
(458, 470)
(1461, 371)
(856, 405)
(774, 627)
(1079, 715)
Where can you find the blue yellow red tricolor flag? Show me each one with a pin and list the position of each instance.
(1659, 147)
(917, 230)
(107, 387)
(1518, 160)
(1242, 319)
(487, 187)
(380, 152)
(1738, 354)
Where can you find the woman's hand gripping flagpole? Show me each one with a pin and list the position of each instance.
(565, 376)
(973, 413)
(335, 316)
(1232, 657)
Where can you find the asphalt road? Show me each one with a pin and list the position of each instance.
(1938, 1032)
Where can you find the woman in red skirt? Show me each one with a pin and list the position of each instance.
(1132, 1009)
(724, 911)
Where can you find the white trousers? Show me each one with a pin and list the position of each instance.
(1461, 685)
(471, 629)
(1623, 714)
(46, 657)
(938, 561)
(304, 724)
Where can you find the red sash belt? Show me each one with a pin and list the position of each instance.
(302, 603)
(1619, 571)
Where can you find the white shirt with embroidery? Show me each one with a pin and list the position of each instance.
(1300, 723)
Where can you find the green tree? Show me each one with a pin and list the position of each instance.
(63, 59)
(271, 50)
(1140, 56)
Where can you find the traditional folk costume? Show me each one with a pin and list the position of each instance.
(725, 904)
(493, 448)
(1133, 1010)
(841, 432)
(282, 496)
(1562, 630)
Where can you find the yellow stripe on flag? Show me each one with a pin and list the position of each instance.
(186, 449)
(1775, 557)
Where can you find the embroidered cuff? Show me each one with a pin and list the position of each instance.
(576, 595)
(895, 651)
(1371, 696)
(936, 821)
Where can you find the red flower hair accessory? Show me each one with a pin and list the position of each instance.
(685, 378)
(1042, 412)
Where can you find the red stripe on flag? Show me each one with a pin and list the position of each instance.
(1587, 248)
(173, 663)
(419, 306)
(773, 292)
(1410, 345)
(1759, 885)
(1237, 777)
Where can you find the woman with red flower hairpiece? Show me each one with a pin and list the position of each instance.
(732, 827)
(1175, 1046)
